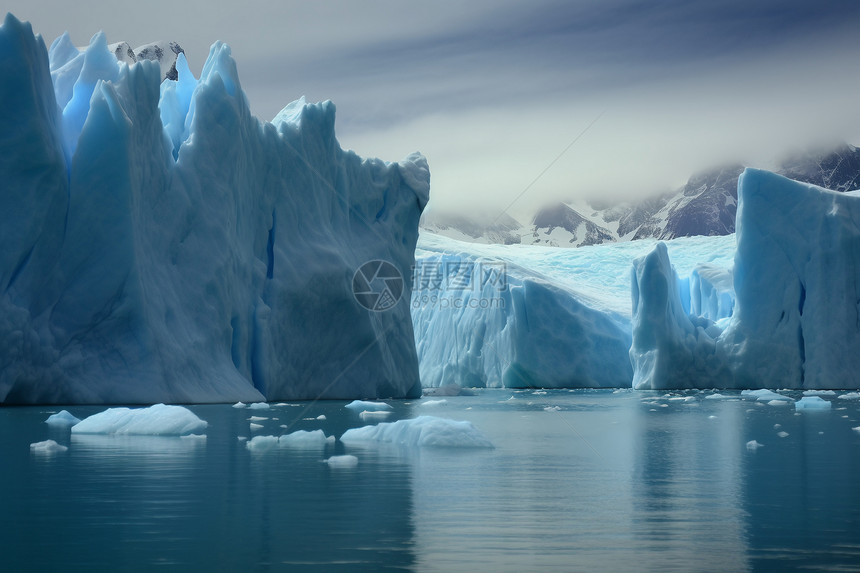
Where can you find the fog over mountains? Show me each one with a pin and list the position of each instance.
(706, 205)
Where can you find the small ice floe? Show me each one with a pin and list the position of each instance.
(47, 447)
(321, 417)
(256, 427)
(241, 438)
(423, 431)
(857, 429)
(259, 406)
(368, 406)
(157, 420)
(777, 426)
(712, 417)
(193, 437)
(62, 419)
(778, 403)
(782, 434)
(753, 445)
(764, 395)
(812, 403)
(716, 396)
(434, 403)
(305, 439)
(341, 462)
(850, 396)
(257, 418)
(261, 443)
(375, 415)
(240, 405)
(819, 393)
(552, 409)
(539, 393)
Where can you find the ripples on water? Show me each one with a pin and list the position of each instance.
(602, 480)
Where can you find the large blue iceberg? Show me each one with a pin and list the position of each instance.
(796, 299)
(161, 244)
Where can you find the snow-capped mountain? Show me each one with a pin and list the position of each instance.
(706, 205)
(165, 53)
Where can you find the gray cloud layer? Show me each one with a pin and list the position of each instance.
(493, 91)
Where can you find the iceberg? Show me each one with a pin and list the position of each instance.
(796, 305)
(62, 419)
(157, 420)
(47, 447)
(368, 406)
(530, 316)
(305, 439)
(161, 244)
(812, 403)
(423, 431)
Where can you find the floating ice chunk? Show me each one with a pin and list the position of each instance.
(857, 429)
(424, 431)
(753, 445)
(764, 395)
(259, 406)
(778, 403)
(47, 447)
(242, 438)
(158, 420)
(782, 434)
(304, 439)
(812, 403)
(377, 415)
(850, 396)
(321, 417)
(257, 418)
(346, 461)
(716, 396)
(432, 403)
(777, 426)
(712, 417)
(364, 405)
(552, 409)
(261, 443)
(193, 437)
(256, 427)
(819, 393)
(240, 405)
(62, 418)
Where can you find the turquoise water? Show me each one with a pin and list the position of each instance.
(610, 481)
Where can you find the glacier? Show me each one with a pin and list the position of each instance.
(162, 244)
(796, 283)
(777, 305)
(559, 317)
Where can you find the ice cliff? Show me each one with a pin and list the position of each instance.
(161, 244)
(796, 317)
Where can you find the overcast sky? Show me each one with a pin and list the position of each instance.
(493, 91)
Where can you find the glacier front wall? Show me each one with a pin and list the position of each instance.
(796, 319)
(161, 244)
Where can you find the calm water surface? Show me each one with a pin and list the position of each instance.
(602, 480)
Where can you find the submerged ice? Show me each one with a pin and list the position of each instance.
(161, 244)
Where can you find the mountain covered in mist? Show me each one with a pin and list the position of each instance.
(706, 205)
